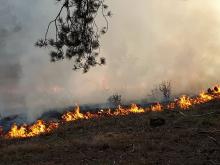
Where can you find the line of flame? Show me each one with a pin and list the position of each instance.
(41, 127)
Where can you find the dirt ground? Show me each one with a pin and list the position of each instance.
(188, 138)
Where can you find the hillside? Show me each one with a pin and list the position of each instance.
(187, 137)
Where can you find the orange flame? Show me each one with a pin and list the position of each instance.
(157, 108)
(41, 127)
(26, 131)
(184, 102)
(134, 109)
(203, 98)
(72, 116)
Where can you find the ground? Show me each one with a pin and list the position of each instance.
(188, 138)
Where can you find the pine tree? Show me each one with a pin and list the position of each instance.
(77, 33)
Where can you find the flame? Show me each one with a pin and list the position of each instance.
(26, 131)
(41, 127)
(184, 102)
(134, 109)
(119, 111)
(74, 115)
(171, 106)
(203, 98)
(157, 108)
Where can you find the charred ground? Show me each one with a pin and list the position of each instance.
(189, 138)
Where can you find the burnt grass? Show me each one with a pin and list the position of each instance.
(192, 138)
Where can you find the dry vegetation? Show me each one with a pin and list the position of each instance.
(184, 139)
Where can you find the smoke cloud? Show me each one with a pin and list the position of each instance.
(149, 41)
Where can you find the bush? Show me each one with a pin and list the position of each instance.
(115, 99)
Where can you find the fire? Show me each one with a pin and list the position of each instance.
(203, 98)
(157, 108)
(41, 127)
(119, 111)
(134, 109)
(171, 106)
(25, 131)
(74, 115)
(184, 102)
(17, 132)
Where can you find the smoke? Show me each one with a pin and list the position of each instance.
(10, 68)
(149, 41)
(164, 40)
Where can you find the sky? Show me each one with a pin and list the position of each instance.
(149, 41)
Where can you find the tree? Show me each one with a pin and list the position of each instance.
(77, 33)
(165, 88)
(115, 99)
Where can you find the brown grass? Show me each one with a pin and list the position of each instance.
(124, 140)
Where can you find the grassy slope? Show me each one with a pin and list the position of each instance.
(123, 140)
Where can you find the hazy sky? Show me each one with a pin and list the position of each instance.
(149, 41)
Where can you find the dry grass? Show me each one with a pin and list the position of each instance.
(123, 140)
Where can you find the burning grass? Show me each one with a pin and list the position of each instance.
(127, 139)
(42, 127)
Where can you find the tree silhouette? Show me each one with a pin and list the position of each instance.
(165, 88)
(115, 99)
(77, 33)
